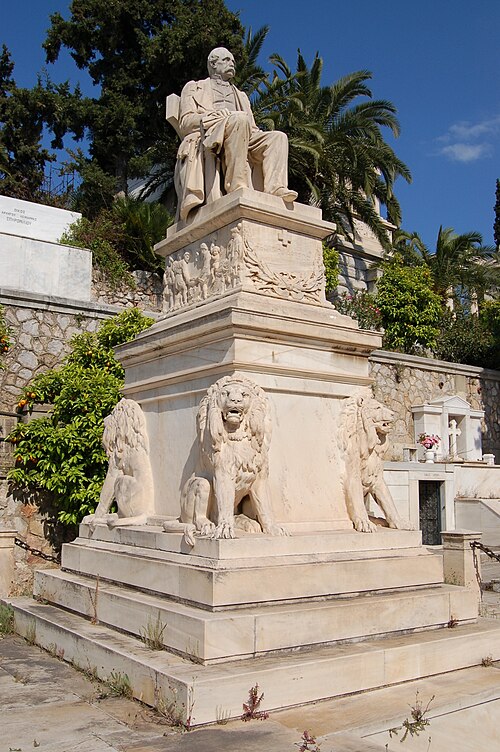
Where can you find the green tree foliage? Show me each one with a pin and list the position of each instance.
(105, 237)
(23, 115)
(145, 224)
(362, 306)
(331, 262)
(467, 339)
(136, 52)
(410, 309)
(5, 342)
(59, 458)
(21, 127)
(339, 159)
(462, 268)
(122, 238)
(496, 226)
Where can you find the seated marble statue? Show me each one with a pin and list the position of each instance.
(215, 122)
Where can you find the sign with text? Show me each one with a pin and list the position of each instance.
(30, 220)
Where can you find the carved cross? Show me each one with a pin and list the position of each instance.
(285, 238)
(454, 432)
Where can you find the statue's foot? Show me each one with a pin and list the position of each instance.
(90, 520)
(286, 194)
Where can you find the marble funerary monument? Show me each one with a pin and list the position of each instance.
(240, 459)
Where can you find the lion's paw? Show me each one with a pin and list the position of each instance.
(275, 530)
(242, 522)
(363, 525)
(112, 520)
(224, 530)
(205, 528)
(91, 521)
(400, 523)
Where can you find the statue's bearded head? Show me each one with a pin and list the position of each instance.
(221, 64)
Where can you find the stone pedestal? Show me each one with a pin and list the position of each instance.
(322, 612)
(274, 326)
(7, 537)
(461, 566)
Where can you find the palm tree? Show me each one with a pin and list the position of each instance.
(463, 269)
(339, 160)
(144, 224)
(250, 75)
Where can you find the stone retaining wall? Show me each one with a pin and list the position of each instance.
(145, 292)
(402, 381)
(41, 330)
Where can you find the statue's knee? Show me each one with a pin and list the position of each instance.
(238, 121)
(278, 137)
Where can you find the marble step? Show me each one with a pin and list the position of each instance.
(254, 547)
(208, 693)
(214, 586)
(209, 637)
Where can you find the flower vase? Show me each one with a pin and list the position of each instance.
(429, 455)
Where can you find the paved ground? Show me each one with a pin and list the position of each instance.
(47, 705)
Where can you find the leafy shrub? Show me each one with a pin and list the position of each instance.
(5, 342)
(122, 238)
(411, 311)
(467, 339)
(59, 458)
(105, 237)
(362, 306)
(331, 262)
(144, 224)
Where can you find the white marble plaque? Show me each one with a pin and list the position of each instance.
(30, 220)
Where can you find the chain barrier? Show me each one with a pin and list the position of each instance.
(484, 549)
(35, 551)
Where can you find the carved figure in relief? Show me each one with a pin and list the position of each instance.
(216, 272)
(234, 433)
(168, 285)
(129, 480)
(364, 426)
(235, 254)
(216, 123)
(204, 258)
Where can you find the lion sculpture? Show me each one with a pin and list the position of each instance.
(364, 426)
(129, 480)
(234, 432)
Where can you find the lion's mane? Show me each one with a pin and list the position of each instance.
(125, 427)
(255, 425)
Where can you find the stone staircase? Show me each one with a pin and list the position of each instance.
(306, 617)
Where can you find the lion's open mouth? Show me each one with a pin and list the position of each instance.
(233, 416)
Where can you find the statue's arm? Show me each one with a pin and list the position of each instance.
(190, 112)
(248, 109)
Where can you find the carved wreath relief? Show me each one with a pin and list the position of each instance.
(212, 270)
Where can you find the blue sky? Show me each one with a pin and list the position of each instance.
(437, 61)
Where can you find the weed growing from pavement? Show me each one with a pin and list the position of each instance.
(119, 685)
(152, 634)
(308, 743)
(251, 709)
(7, 621)
(416, 723)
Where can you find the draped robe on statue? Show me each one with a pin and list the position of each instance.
(232, 136)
